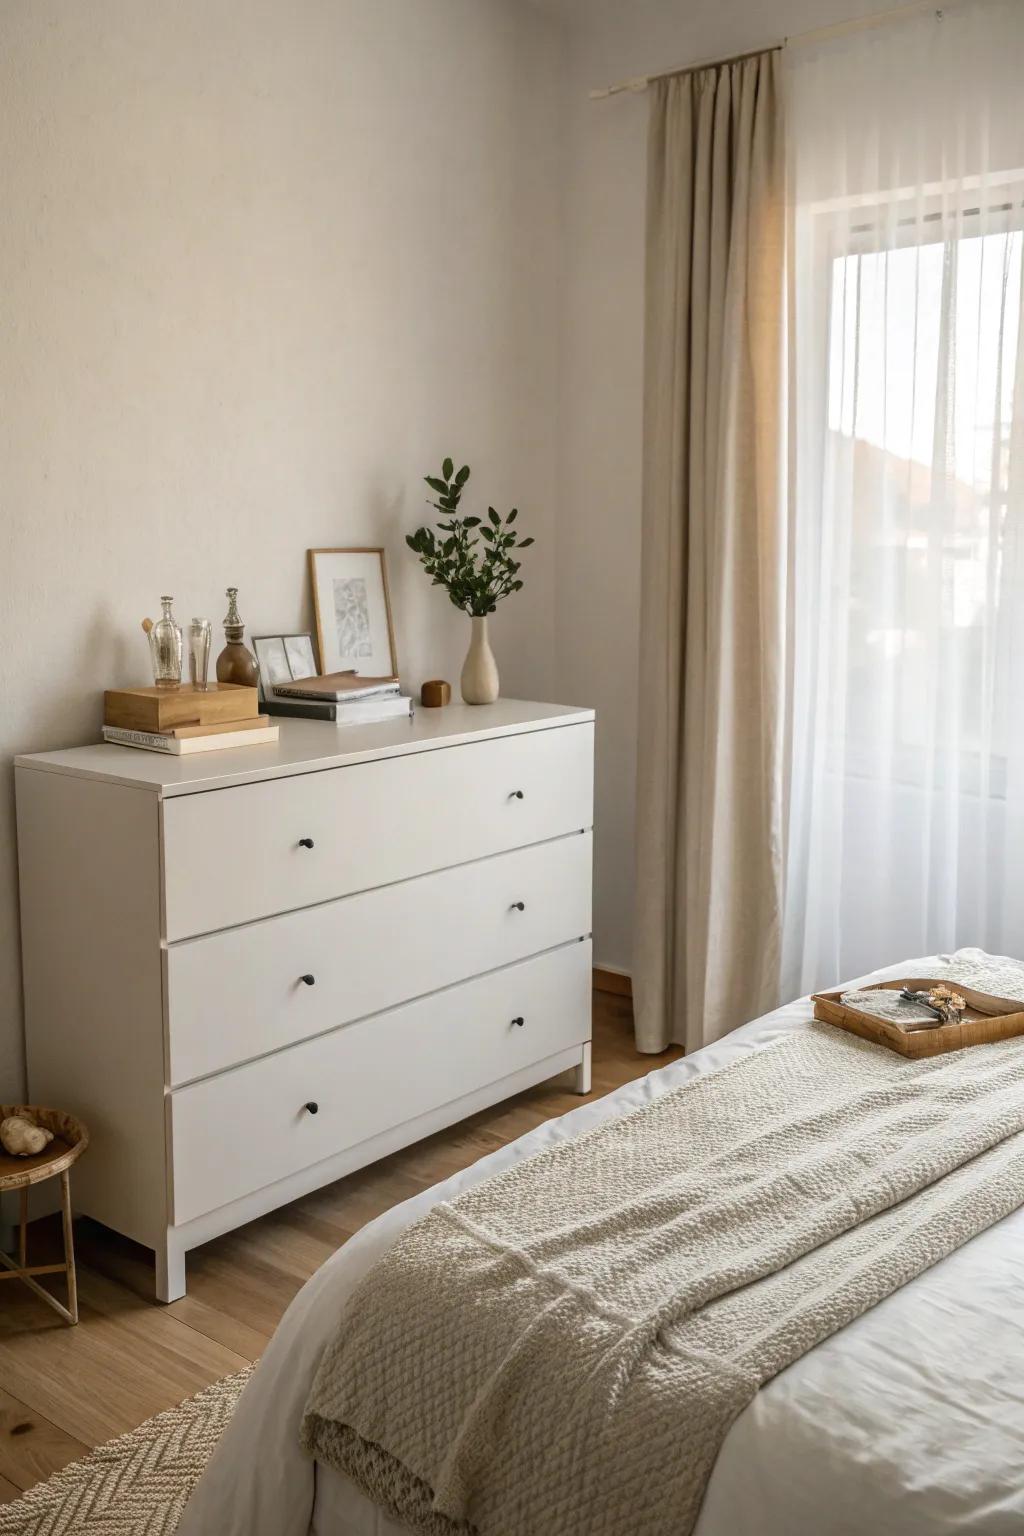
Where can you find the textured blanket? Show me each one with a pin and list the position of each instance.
(561, 1350)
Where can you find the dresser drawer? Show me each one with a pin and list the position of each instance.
(249, 1127)
(232, 855)
(244, 992)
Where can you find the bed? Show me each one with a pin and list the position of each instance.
(910, 1420)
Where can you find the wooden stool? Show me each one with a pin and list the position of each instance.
(70, 1139)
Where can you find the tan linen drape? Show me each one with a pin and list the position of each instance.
(709, 791)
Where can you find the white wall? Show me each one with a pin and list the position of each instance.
(598, 533)
(262, 264)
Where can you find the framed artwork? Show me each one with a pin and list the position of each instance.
(284, 659)
(354, 630)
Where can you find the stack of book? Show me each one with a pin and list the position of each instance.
(342, 698)
(183, 720)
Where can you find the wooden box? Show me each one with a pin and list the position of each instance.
(161, 709)
(985, 1020)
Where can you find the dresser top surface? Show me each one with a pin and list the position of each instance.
(304, 746)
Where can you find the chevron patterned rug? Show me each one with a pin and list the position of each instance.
(136, 1485)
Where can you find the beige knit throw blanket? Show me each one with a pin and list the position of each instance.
(561, 1350)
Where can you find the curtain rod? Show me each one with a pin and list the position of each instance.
(799, 39)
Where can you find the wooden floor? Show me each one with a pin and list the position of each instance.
(64, 1390)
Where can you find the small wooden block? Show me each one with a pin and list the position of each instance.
(435, 694)
(161, 709)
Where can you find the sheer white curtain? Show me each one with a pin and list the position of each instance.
(906, 798)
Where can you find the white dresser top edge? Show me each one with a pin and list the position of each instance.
(304, 746)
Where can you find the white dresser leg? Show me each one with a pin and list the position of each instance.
(582, 1083)
(170, 1271)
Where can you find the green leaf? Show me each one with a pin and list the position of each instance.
(525, 543)
(475, 576)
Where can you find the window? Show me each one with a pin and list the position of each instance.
(923, 343)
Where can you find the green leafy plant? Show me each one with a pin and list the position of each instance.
(471, 557)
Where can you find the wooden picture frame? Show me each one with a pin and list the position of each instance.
(284, 658)
(354, 632)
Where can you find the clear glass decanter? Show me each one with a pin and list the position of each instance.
(166, 648)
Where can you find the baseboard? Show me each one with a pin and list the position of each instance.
(607, 979)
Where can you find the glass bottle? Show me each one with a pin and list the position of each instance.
(236, 663)
(165, 648)
(200, 634)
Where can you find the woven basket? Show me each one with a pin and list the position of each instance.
(70, 1139)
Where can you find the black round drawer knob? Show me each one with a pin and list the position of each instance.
(313, 1107)
(519, 906)
(305, 842)
(519, 1022)
(309, 979)
(517, 794)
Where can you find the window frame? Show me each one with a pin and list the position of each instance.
(901, 220)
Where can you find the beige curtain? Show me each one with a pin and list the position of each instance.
(709, 833)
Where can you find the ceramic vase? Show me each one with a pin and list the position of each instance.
(236, 663)
(480, 671)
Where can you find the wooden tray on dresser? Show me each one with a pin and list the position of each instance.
(986, 1019)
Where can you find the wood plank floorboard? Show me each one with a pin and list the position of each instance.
(8, 1491)
(68, 1389)
(30, 1446)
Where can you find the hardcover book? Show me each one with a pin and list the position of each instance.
(336, 687)
(184, 746)
(387, 706)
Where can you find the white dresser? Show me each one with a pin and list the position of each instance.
(252, 971)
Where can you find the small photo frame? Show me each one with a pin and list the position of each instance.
(284, 659)
(354, 629)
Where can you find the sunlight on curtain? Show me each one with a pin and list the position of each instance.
(906, 800)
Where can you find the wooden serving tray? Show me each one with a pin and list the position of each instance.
(985, 1020)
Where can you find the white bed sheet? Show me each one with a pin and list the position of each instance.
(910, 1422)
